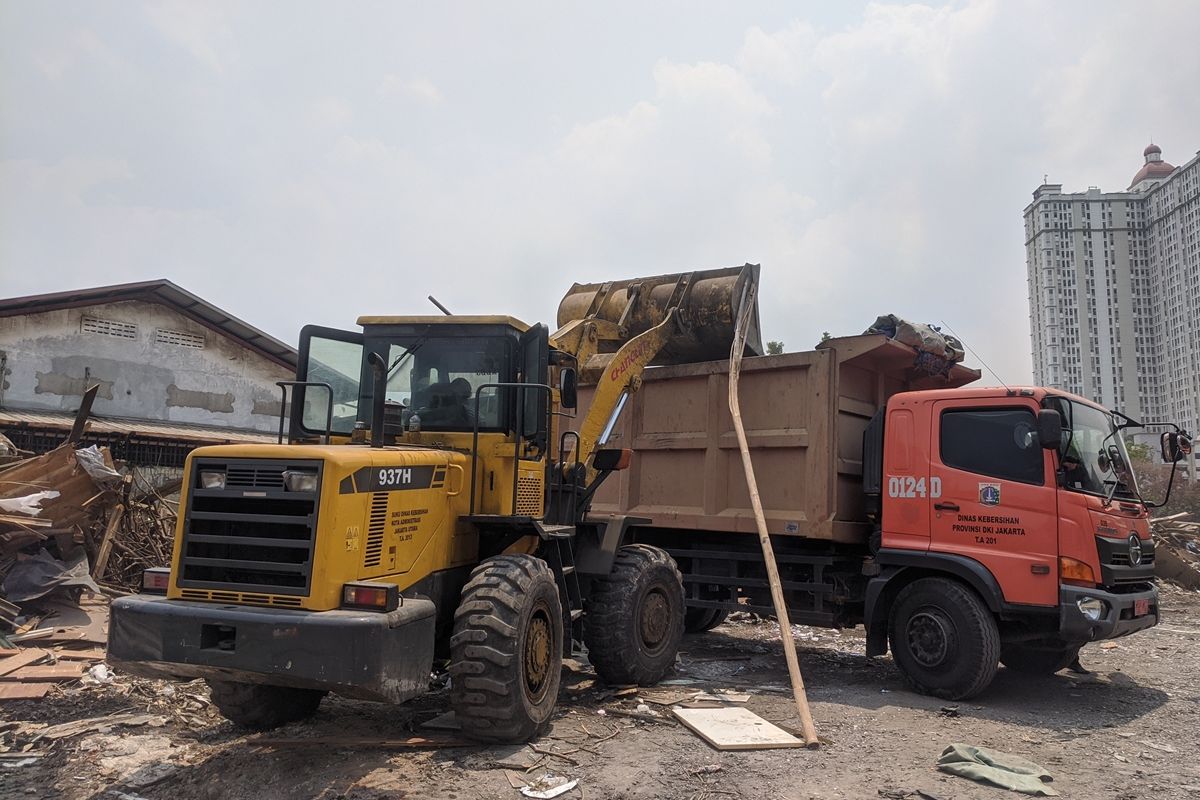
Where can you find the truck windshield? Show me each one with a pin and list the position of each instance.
(1092, 457)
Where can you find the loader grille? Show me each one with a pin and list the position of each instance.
(529, 496)
(373, 552)
(253, 536)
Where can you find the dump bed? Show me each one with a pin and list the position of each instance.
(804, 413)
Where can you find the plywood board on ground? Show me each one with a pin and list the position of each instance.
(23, 691)
(21, 659)
(49, 672)
(735, 728)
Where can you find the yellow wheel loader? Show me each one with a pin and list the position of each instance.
(431, 505)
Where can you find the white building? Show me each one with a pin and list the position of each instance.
(171, 368)
(1114, 281)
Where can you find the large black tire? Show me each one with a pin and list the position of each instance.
(1030, 660)
(634, 619)
(506, 650)
(261, 707)
(699, 620)
(944, 639)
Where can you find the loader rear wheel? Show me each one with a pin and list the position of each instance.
(699, 620)
(635, 617)
(1038, 660)
(944, 639)
(260, 707)
(506, 650)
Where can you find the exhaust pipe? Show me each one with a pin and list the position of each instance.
(378, 396)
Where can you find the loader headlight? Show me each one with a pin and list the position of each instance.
(212, 479)
(295, 480)
(1091, 607)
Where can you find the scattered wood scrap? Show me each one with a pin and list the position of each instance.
(1177, 550)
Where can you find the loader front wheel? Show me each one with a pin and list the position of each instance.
(259, 707)
(944, 639)
(506, 650)
(634, 619)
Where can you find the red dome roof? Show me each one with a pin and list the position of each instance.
(1154, 167)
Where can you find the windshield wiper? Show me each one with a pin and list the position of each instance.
(414, 347)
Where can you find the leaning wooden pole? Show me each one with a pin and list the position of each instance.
(785, 627)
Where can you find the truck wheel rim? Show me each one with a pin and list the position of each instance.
(930, 637)
(654, 621)
(539, 642)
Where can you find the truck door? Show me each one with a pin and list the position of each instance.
(993, 497)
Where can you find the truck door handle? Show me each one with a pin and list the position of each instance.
(946, 506)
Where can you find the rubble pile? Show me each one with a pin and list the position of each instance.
(1177, 550)
(73, 528)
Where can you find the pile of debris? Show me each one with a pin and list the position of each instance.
(73, 529)
(1177, 550)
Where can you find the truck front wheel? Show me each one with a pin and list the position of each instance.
(944, 639)
(506, 650)
(700, 620)
(634, 618)
(261, 707)
(1032, 660)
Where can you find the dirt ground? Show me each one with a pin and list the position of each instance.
(1129, 730)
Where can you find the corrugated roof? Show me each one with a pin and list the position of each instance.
(141, 428)
(164, 292)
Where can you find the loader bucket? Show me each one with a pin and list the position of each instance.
(707, 303)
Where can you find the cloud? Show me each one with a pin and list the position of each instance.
(419, 88)
(873, 159)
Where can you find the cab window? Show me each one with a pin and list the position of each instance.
(996, 442)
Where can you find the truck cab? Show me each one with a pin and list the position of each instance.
(1026, 496)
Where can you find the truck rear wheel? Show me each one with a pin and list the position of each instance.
(260, 707)
(1038, 660)
(944, 639)
(699, 620)
(635, 617)
(506, 650)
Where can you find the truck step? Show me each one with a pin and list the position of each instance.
(555, 531)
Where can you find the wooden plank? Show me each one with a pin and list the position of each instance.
(47, 672)
(91, 654)
(23, 691)
(735, 728)
(114, 522)
(22, 659)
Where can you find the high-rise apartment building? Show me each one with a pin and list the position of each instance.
(1114, 291)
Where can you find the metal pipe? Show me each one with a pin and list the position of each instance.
(378, 390)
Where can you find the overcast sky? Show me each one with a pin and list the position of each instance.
(303, 162)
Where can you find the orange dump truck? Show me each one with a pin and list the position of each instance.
(965, 527)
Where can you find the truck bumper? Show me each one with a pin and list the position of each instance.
(1118, 619)
(363, 654)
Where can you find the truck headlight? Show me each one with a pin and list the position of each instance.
(295, 480)
(1092, 607)
(212, 479)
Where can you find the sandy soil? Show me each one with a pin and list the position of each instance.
(1129, 730)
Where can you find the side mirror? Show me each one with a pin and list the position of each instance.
(568, 387)
(1174, 446)
(1049, 428)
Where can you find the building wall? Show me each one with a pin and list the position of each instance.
(1114, 292)
(1086, 293)
(1174, 246)
(151, 363)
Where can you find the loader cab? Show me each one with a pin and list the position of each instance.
(443, 375)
